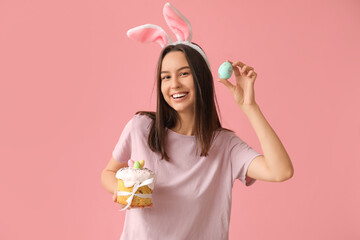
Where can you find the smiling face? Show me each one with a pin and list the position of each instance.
(177, 83)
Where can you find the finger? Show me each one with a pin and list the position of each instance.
(236, 69)
(115, 195)
(246, 69)
(238, 63)
(249, 73)
(242, 65)
(254, 76)
(226, 83)
(243, 69)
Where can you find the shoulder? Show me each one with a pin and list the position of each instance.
(141, 121)
(227, 137)
(224, 134)
(142, 117)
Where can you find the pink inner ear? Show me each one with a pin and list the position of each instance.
(177, 23)
(149, 33)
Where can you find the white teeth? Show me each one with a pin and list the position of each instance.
(179, 95)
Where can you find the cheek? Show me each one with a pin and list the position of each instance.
(190, 82)
(163, 90)
(192, 87)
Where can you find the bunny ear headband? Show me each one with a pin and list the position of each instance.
(177, 23)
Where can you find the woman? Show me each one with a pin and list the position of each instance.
(196, 160)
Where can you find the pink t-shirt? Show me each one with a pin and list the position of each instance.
(192, 194)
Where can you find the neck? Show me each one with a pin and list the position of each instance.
(185, 124)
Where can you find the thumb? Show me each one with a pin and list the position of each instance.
(226, 83)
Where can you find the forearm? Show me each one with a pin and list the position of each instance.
(276, 157)
(108, 180)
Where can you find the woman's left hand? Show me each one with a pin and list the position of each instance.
(243, 90)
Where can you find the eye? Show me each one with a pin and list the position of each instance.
(165, 77)
(185, 73)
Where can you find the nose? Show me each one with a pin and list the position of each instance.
(175, 83)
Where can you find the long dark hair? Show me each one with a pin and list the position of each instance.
(206, 117)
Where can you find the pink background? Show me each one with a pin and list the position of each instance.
(71, 79)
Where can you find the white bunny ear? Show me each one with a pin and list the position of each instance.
(177, 23)
(149, 33)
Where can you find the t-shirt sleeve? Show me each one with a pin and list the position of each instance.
(241, 155)
(122, 150)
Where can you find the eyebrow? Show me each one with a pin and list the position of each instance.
(178, 69)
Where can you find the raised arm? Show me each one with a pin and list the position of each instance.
(275, 164)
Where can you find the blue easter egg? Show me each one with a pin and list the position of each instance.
(225, 70)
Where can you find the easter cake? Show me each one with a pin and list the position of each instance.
(135, 185)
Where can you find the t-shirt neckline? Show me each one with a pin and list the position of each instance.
(179, 134)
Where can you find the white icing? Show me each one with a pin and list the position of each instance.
(130, 176)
